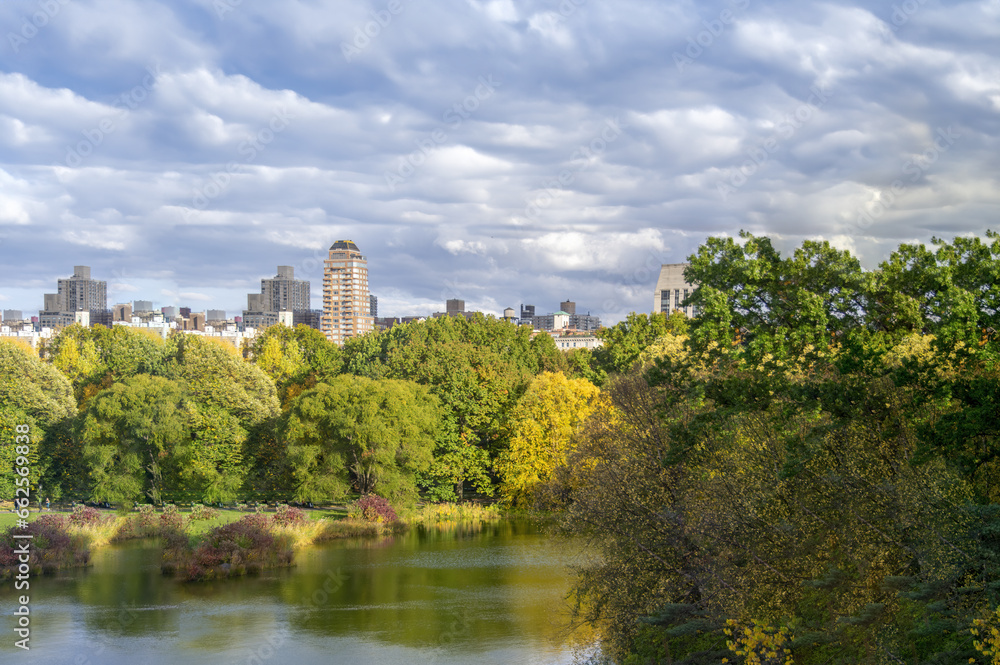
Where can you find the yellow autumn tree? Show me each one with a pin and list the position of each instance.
(989, 630)
(77, 358)
(543, 425)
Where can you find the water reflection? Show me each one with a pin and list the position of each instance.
(495, 593)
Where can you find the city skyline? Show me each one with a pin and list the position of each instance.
(267, 287)
(495, 151)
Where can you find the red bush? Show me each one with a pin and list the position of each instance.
(374, 508)
(238, 547)
(288, 516)
(83, 515)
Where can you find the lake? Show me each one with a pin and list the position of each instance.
(480, 594)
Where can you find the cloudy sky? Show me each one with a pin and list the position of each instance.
(499, 151)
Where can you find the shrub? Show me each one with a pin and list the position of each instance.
(146, 519)
(52, 547)
(288, 516)
(84, 515)
(144, 524)
(202, 512)
(171, 519)
(373, 508)
(238, 547)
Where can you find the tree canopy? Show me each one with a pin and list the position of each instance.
(374, 435)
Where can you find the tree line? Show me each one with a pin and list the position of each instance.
(809, 473)
(806, 471)
(428, 409)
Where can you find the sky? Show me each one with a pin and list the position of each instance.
(497, 151)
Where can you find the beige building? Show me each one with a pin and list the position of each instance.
(77, 295)
(346, 299)
(671, 290)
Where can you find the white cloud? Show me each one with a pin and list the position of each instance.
(461, 218)
(552, 28)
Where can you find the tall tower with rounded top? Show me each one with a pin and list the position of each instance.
(346, 302)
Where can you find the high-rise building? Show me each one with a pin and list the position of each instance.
(142, 306)
(373, 310)
(80, 292)
(568, 306)
(215, 315)
(308, 317)
(12, 316)
(527, 313)
(346, 302)
(672, 290)
(284, 293)
(76, 294)
(282, 299)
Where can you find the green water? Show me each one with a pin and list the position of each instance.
(486, 595)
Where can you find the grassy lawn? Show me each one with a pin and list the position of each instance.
(195, 528)
(9, 519)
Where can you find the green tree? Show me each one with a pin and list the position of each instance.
(216, 375)
(477, 367)
(294, 358)
(19, 444)
(130, 433)
(210, 462)
(626, 340)
(94, 358)
(32, 386)
(376, 435)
